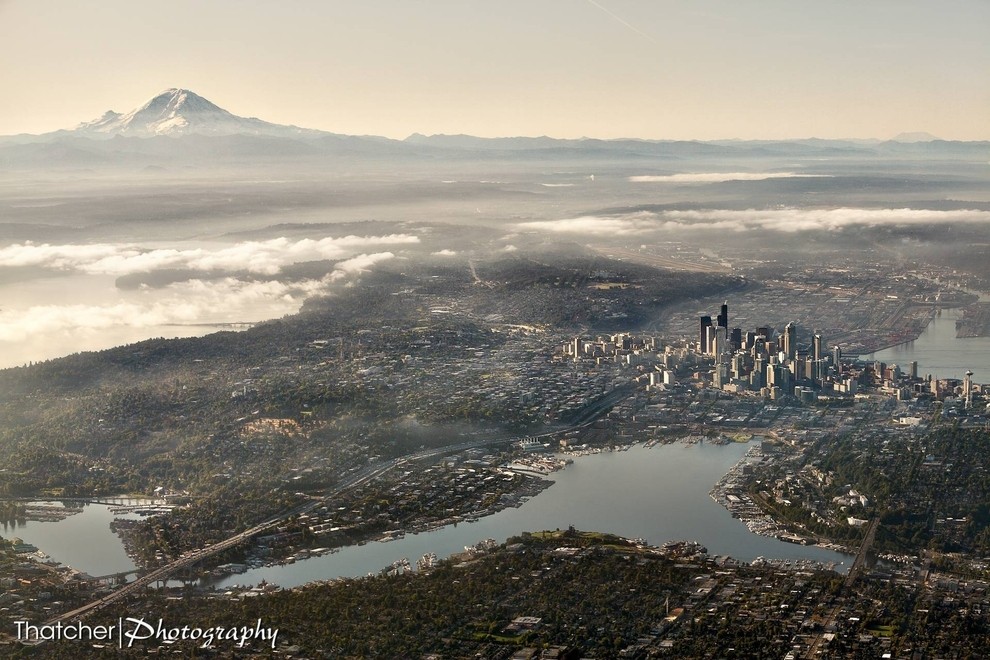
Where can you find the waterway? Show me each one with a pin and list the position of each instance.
(659, 494)
(939, 353)
(83, 540)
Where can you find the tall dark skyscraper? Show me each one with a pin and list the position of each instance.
(817, 347)
(789, 345)
(706, 322)
(736, 339)
(723, 317)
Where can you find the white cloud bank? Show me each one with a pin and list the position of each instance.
(194, 301)
(784, 220)
(263, 257)
(638, 223)
(721, 177)
(357, 264)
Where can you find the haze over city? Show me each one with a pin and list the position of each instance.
(314, 344)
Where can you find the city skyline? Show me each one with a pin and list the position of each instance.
(717, 70)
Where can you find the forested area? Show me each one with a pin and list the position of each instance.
(600, 599)
(931, 492)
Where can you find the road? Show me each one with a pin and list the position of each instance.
(368, 473)
(163, 573)
(816, 647)
(871, 533)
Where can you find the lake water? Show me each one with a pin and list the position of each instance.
(660, 494)
(83, 540)
(939, 353)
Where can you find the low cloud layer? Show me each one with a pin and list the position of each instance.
(783, 220)
(358, 264)
(222, 300)
(640, 223)
(262, 257)
(721, 177)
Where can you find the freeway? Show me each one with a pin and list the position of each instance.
(588, 415)
(188, 559)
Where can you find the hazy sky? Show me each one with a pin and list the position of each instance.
(566, 68)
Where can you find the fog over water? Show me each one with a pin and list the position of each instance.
(90, 263)
(52, 317)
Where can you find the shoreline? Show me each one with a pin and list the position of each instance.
(730, 493)
(782, 563)
(536, 482)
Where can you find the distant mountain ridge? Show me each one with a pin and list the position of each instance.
(917, 136)
(179, 128)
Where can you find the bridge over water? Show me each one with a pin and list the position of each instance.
(591, 412)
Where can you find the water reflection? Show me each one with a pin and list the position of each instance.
(659, 494)
(83, 540)
(939, 353)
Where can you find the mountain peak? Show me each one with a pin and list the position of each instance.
(176, 112)
(175, 100)
(917, 136)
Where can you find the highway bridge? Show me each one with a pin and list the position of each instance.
(584, 418)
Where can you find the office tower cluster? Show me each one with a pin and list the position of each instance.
(767, 361)
(622, 348)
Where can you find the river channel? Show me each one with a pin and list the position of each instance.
(939, 353)
(658, 493)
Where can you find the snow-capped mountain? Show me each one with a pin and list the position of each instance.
(182, 112)
(179, 129)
